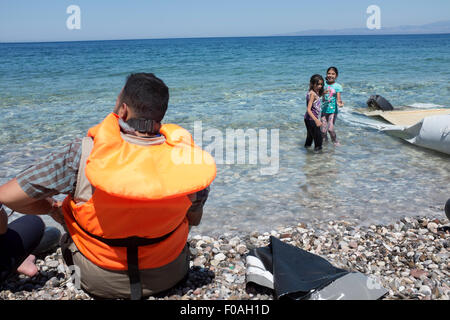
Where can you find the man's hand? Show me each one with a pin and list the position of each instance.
(56, 211)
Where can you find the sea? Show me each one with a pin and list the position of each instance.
(52, 93)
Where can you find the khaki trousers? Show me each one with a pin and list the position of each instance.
(112, 284)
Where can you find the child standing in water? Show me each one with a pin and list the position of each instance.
(313, 110)
(331, 101)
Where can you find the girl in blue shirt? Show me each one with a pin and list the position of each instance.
(331, 101)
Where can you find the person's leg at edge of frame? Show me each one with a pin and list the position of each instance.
(22, 237)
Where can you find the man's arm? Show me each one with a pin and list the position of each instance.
(31, 191)
(12, 195)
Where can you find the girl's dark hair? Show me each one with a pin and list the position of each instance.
(335, 70)
(315, 80)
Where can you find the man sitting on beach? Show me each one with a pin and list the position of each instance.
(133, 191)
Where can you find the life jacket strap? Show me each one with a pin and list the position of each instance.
(133, 273)
(143, 125)
(132, 244)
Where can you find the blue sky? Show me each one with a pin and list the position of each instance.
(45, 20)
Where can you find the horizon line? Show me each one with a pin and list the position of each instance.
(228, 37)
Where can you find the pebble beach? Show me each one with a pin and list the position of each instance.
(409, 258)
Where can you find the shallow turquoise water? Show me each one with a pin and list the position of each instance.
(53, 92)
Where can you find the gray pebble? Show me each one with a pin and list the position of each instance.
(425, 290)
(52, 264)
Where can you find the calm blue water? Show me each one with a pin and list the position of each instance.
(53, 92)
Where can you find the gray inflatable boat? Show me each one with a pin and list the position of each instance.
(429, 128)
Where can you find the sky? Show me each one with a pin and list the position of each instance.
(45, 20)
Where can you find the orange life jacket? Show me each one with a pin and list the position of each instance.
(140, 192)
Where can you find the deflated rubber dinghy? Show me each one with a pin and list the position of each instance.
(433, 132)
(429, 128)
(297, 274)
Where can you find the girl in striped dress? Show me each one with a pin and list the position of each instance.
(313, 112)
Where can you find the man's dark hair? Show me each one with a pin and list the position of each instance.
(146, 95)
